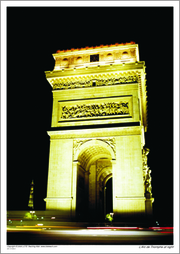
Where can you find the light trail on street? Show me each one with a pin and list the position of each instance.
(56, 236)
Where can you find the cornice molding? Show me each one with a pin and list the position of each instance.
(96, 133)
(96, 69)
(94, 48)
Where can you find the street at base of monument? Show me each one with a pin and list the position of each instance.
(108, 235)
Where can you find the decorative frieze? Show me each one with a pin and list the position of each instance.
(95, 110)
(91, 82)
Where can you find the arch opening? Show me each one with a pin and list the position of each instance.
(94, 171)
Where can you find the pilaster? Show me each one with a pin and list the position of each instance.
(74, 189)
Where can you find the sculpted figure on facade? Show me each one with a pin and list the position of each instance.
(146, 172)
(148, 183)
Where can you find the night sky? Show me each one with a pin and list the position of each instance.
(33, 35)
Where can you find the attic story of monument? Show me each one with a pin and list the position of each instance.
(97, 135)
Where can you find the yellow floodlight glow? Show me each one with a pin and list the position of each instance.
(99, 111)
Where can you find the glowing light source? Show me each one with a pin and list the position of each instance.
(161, 228)
(112, 227)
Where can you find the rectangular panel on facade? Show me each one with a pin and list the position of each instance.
(104, 109)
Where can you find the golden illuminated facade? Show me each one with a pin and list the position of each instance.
(98, 122)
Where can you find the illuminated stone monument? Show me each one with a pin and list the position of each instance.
(98, 122)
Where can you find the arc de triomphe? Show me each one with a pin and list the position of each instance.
(97, 134)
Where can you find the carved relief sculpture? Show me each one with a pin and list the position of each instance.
(95, 110)
(146, 173)
(60, 84)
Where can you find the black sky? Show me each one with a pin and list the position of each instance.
(33, 35)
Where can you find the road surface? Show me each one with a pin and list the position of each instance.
(58, 236)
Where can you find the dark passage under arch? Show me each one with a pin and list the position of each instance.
(109, 196)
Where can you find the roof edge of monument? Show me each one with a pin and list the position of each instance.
(96, 47)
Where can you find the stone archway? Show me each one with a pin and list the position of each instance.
(93, 109)
(94, 168)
